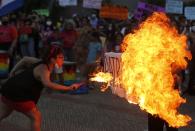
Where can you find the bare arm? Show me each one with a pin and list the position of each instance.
(23, 64)
(44, 75)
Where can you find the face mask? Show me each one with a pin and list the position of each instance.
(48, 23)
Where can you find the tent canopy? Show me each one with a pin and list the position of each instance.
(7, 6)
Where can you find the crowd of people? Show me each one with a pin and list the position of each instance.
(84, 39)
(29, 34)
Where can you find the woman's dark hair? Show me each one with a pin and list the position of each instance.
(51, 51)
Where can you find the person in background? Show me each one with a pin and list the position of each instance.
(36, 37)
(25, 40)
(69, 37)
(118, 41)
(94, 21)
(81, 52)
(46, 30)
(94, 48)
(59, 24)
(111, 39)
(94, 55)
(22, 91)
(8, 39)
(84, 26)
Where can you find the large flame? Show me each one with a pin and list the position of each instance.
(153, 54)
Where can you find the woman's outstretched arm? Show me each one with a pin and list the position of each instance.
(44, 74)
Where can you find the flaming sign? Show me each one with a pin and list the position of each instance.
(154, 53)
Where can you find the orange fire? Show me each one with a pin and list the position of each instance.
(102, 77)
(154, 53)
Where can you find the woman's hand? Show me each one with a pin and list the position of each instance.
(75, 86)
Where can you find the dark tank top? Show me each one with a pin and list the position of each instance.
(23, 86)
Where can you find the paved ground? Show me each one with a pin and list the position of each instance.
(95, 111)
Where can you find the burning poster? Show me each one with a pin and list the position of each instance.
(153, 55)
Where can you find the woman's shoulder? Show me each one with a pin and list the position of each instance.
(40, 68)
(28, 59)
